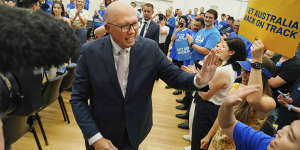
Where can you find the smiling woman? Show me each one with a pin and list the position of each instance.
(229, 51)
(59, 12)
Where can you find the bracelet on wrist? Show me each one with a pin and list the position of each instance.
(290, 107)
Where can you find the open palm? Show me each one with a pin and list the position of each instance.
(208, 69)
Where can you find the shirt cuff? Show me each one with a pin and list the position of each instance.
(197, 85)
(95, 138)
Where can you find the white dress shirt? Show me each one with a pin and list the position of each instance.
(116, 52)
(146, 28)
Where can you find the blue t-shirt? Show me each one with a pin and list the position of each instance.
(246, 138)
(248, 44)
(216, 24)
(97, 22)
(50, 3)
(181, 40)
(221, 24)
(87, 4)
(69, 7)
(171, 24)
(205, 38)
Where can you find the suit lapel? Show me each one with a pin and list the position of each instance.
(149, 29)
(109, 62)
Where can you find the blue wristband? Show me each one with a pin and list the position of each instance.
(290, 107)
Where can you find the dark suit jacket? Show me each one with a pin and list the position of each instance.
(153, 31)
(109, 112)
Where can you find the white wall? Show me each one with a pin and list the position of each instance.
(234, 8)
(158, 4)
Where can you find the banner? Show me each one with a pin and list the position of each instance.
(275, 23)
(183, 50)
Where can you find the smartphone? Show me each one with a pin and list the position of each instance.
(284, 96)
(197, 65)
(180, 24)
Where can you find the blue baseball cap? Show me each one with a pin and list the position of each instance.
(246, 65)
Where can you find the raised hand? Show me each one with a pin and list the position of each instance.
(189, 39)
(239, 95)
(257, 50)
(208, 69)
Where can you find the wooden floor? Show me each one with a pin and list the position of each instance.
(62, 136)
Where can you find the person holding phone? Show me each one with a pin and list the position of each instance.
(180, 52)
(289, 109)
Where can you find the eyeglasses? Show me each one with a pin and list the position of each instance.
(126, 28)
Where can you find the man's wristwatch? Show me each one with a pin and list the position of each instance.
(256, 65)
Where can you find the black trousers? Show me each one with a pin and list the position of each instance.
(124, 143)
(187, 100)
(204, 117)
(164, 49)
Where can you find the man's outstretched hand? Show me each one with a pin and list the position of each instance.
(208, 69)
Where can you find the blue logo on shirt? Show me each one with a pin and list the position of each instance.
(199, 39)
(180, 37)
